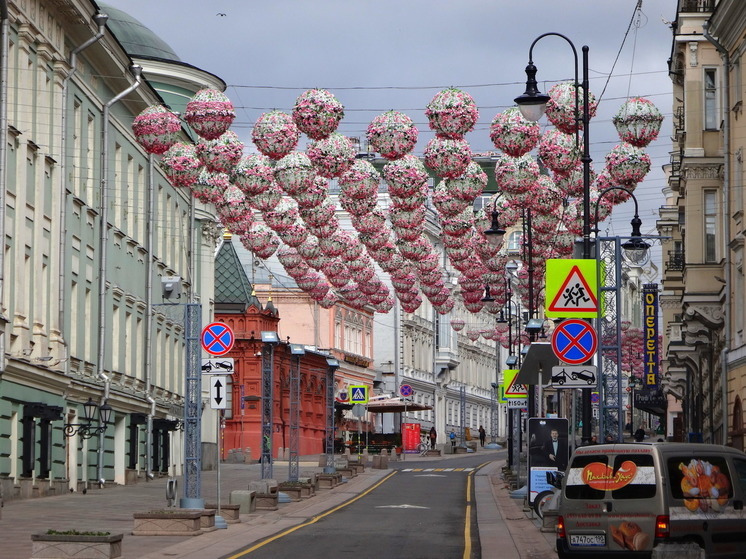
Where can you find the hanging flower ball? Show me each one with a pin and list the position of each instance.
(638, 122)
(267, 200)
(209, 188)
(289, 257)
(319, 215)
(447, 204)
(516, 175)
(447, 157)
(369, 223)
(253, 174)
(411, 306)
(558, 151)
(407, 219)
(452, 113)
(181, 164)
(513, 134)
(331, 156)
(561, 107)
(571, 184)
(615, 196)
(284, 215)
(260, 240)
(407, 174)
(308, 281)
(358, 207)
(317, 113)
(627, 164)
(210, 113)
(457, 324)
(314, 195)
(294, 235)
(547, 197)
(360, 180)
(470, 184)
(156, 129)
(392, 134)
(222, 154)
(275, 134)
(294, 173)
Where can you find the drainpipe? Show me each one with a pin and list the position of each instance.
(100, 20)
(136, 71)
(4, 25)
(727, 233)
(149, 323)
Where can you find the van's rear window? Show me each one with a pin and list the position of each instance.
(704, 482)
(630, 476)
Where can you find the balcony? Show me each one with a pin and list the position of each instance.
(675, 262)
(697, 6)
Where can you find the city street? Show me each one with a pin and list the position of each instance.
(384, 518)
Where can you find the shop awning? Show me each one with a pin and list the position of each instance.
(395, 405)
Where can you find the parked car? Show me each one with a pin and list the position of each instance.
(586, 375)
(624, 500)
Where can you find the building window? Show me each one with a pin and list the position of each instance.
(710, 226)
(514, 239)
(712, 119)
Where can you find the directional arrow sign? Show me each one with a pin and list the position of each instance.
(217, 393)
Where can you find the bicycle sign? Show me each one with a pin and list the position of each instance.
(574, 341)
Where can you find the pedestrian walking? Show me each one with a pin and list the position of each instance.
(433, 437)
(640, 434)
(452, 436)
(482, 435)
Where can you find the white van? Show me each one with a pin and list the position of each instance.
(623, 500)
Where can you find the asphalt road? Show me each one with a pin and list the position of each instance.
(422, 510)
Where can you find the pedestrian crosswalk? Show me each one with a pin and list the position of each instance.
(467, 470)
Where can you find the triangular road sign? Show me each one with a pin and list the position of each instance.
(515, 390)
(575, 295)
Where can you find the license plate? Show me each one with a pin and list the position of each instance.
(588, 539)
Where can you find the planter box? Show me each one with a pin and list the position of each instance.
(177, 522)
(230, 513)
(58, 546)
(293, 492)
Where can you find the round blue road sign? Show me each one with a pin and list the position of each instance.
(217, 338)
(406, 390)
(574, 341)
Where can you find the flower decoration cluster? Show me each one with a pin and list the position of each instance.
(447, 157)
(392, 134)
(275, 134)
(452, 113)
(317, 113)
(221, 154)
(513, 134)
(561, 107)
(627, 165)
(331, 156)
(210, 113)
(156, 129)
(638, 122)
(558, 151)
(181, 164)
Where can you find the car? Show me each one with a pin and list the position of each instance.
(225, 365)
(206, 368)
(585, 375)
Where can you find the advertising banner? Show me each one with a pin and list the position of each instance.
(548, 451)
(650, 317)
(410, 436)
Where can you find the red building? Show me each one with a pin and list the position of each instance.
(238, 307)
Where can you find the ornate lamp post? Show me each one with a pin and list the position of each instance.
(87, 429)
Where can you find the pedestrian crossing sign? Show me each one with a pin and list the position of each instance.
(358, 394)
(571, 288)
(512, 390)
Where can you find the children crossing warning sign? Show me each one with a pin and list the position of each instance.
(512, 390)
(572, 289)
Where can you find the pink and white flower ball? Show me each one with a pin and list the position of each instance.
(222, 154)
(181, 164)
(447, 157)
(209, 188)
(407, 174)
(452, 113)
(275, 134)
(317, 113)
(392, 134)
(627, 165)
(156, 129)
(513, 134)
(516, 175)
(638, 122)
(470, 184)
(559, 151)
(210, 113)
(261, 241)
(331, 156)
(253, 174)
(561, 107)
(295, 173)
(360, 181)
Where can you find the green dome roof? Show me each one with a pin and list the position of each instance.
(136, 39)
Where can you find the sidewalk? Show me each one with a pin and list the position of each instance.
(500, 518)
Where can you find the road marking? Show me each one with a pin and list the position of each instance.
(401, 507)
(313, 520)
(437, 470)
(430, 475)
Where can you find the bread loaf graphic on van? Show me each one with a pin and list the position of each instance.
(630, 536)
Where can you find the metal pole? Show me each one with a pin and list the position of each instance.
(293, 464)
(268, 361)
(193, 410)
(220, 522)
(329, 434)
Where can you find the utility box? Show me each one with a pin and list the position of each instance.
(171, 287)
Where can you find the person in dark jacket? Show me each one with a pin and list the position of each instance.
(433, 437)
(640, 434)
(482, 435)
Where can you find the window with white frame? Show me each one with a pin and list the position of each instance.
(712, 118)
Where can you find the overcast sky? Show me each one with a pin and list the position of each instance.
(396, 54)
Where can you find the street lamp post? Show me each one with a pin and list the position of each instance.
(532, 104)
